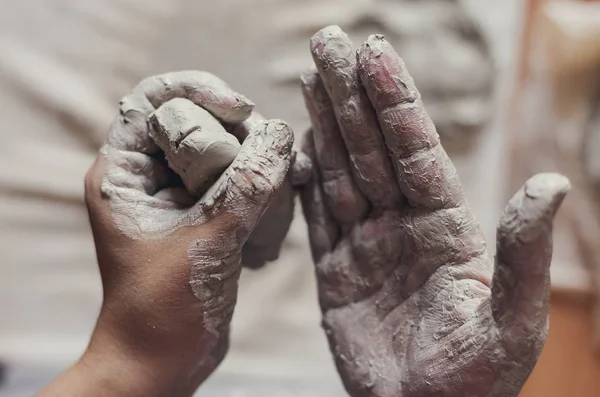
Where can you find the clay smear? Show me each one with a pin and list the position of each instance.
(196, 145)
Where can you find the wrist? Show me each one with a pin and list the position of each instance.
(108, 372)
(169, 339)
(147, 363)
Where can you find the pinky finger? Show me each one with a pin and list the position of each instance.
(323, 231)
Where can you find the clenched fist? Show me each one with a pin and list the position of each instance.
(412, 303)
(170, 226)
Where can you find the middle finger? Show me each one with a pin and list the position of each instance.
(335, 59)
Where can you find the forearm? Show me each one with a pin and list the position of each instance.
(91, 378)
(95, 376)
(111, 366)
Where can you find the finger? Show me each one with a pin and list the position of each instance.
(342, 197)
(245, 190)
(425, 174)
(177, 195)
(265, 241)
(302, 167)
(335, 59)
(134, 171)
(130, 181)
(521, 284)
(202, 88)
(130, 132)
(197, 147)
(323, 231)
(241, 130)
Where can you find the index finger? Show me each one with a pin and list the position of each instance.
(202, 88)
(130, 129)
(425, 174)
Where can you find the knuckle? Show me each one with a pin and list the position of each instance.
(254, 186)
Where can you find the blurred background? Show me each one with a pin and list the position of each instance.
(512, 87)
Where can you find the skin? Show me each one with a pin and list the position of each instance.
(159, 113)
(450, 60)
(264, 244)
(413, 304)
(170, 266)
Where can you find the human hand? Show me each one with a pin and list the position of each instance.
(264, 243)
(412, 303)
(170, 261)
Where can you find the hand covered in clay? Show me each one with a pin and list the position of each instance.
(264, 243)
(169, 244)
(412, 303)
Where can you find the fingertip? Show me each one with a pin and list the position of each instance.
(301, 168)
(373, 47)
(384, 74)
(525, 230)
(279, 136)
(548, 190)
(245, 105)
(521, 286)
(318, 40)
(309, 76)
(240, 111)
(228, 106)
(129, 130)
(250, 184)
(307, 144)
(202, 88)
(315, 95)
(535, 204)
(261, 166)
(309, 79)
(334, 56)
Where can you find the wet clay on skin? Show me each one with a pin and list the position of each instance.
(227, 186)
(146, 204)
(413, 305)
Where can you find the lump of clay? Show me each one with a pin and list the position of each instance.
(197, 147)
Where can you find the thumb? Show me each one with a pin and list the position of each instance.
(241, 195)
(521, 284)
(301, 164)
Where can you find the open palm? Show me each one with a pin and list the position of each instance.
(413, 304)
